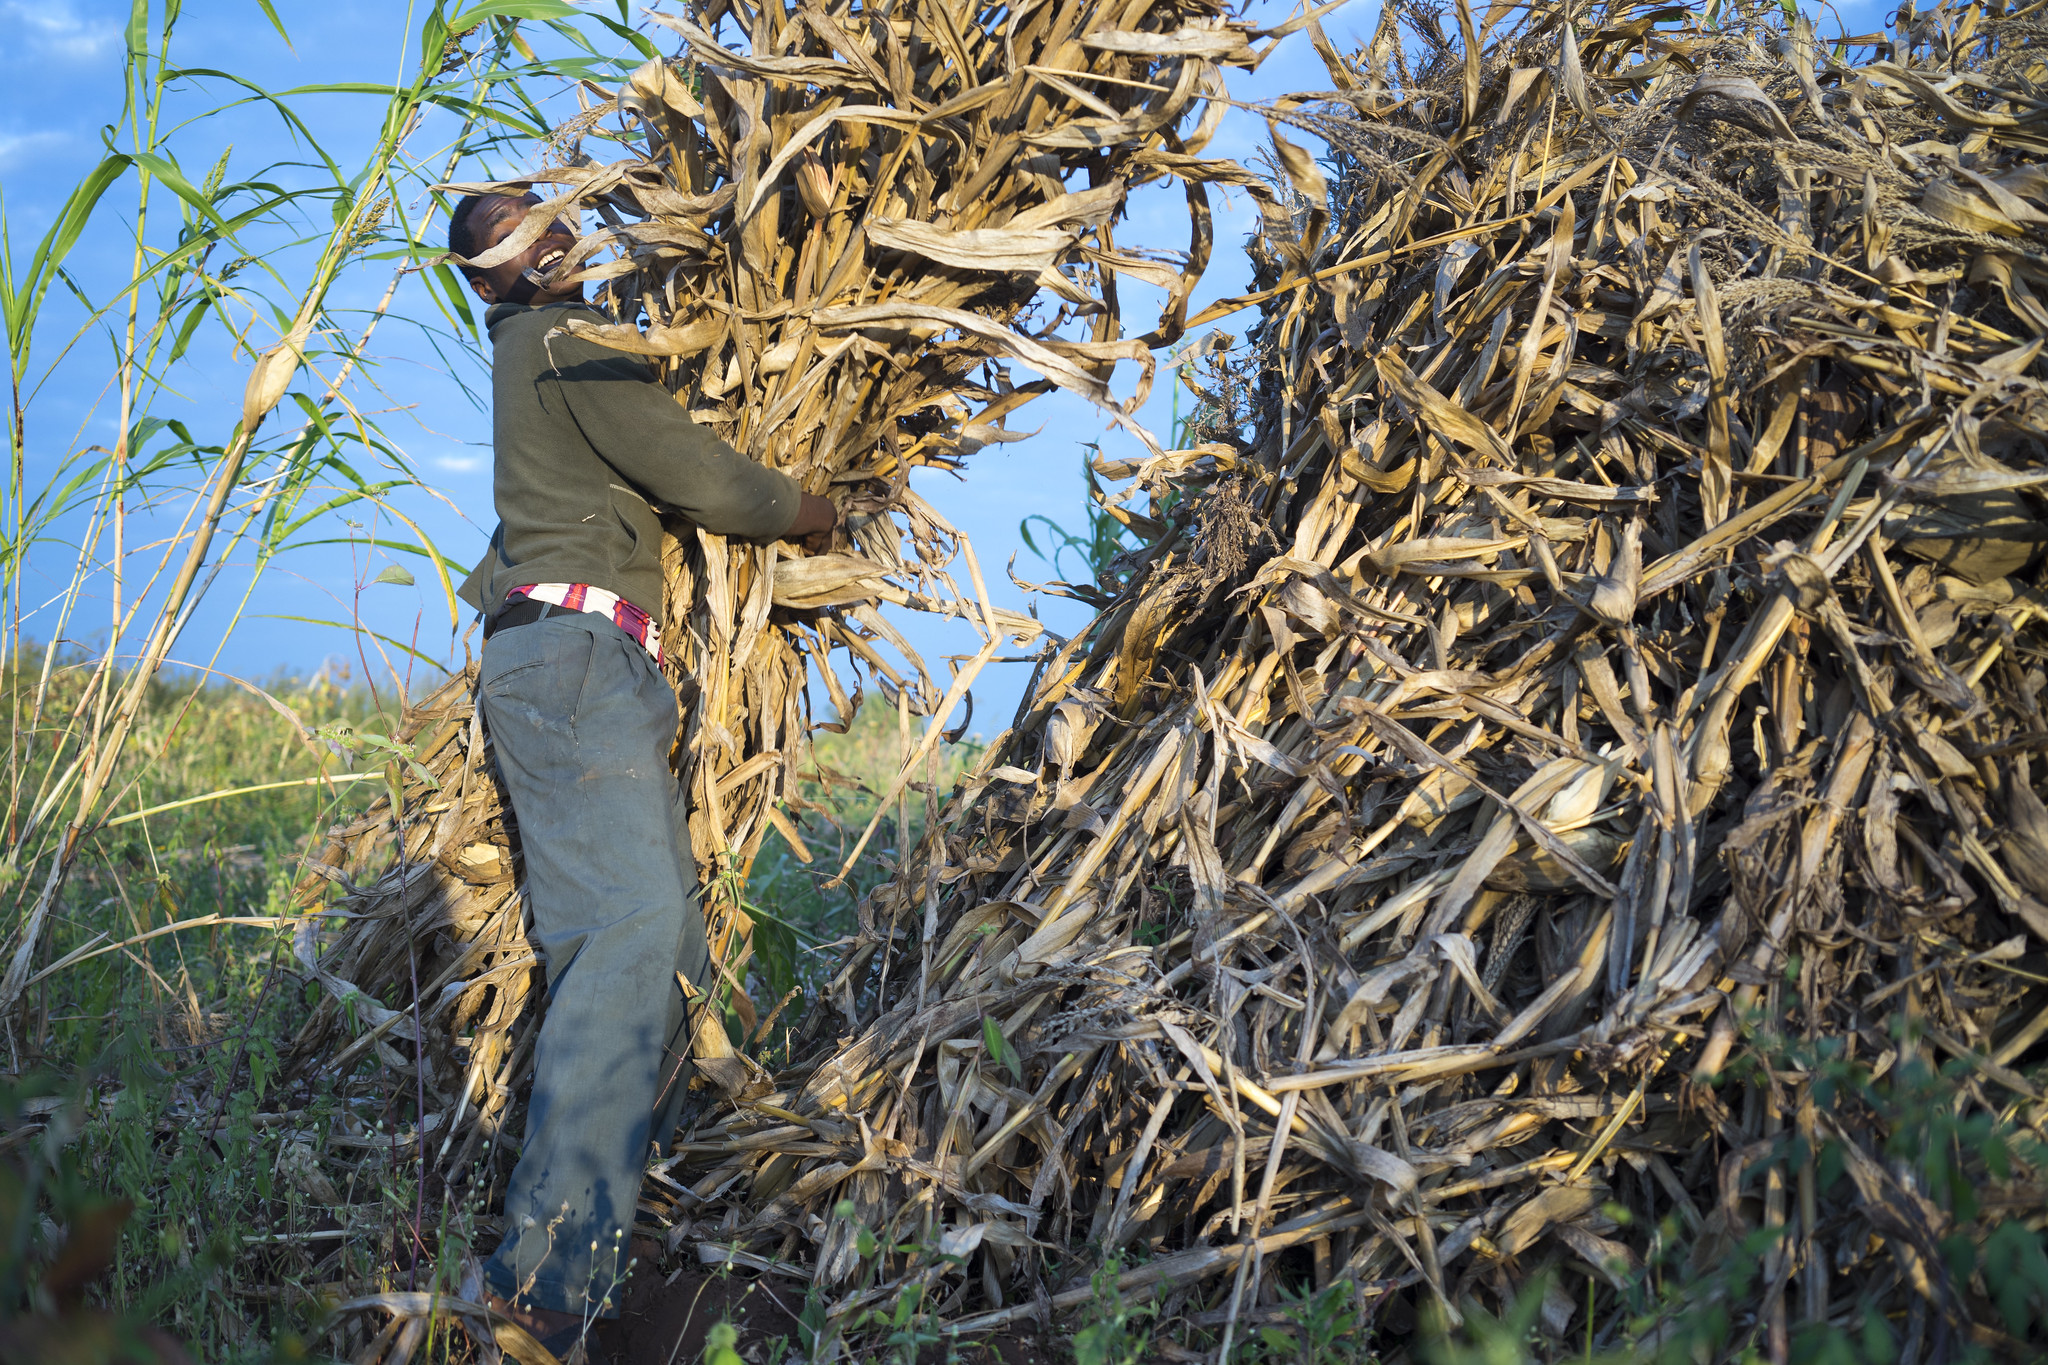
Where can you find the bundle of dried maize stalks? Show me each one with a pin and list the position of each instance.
(836, 229)
(1557, 778)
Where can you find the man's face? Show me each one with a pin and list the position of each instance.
(494, 220)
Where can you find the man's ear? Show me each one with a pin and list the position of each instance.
(482, 289)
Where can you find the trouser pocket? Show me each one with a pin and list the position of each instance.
(536, 675)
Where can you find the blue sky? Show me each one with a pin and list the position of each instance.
(61, 77)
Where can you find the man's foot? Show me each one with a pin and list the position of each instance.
(561, 1333)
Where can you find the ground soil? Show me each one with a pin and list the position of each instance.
(665, 1318)
(1012, 1346)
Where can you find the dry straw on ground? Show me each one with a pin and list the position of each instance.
(1594, 638)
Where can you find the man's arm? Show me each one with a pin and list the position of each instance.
(641, 431)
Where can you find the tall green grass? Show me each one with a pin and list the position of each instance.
(223, 256)
(154, 1048)
(798, 915)
(121, 984)
(199, 822)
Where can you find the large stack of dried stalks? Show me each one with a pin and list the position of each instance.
(1605, 649)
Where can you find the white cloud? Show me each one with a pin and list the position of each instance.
(459, 464)
(17, 148)
(54, 29)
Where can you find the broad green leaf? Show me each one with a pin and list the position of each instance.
(395, 573)
(174, 180)
(511, 9)
(999, 1050)
(23, 303)
(138, 30)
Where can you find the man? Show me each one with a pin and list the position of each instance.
(587, 443)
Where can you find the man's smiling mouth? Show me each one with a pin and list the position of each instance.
(551, 259)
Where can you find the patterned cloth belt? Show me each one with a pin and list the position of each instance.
(583, 597)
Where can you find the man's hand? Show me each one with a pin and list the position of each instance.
(814, 523)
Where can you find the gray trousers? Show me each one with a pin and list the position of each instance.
(582, 722)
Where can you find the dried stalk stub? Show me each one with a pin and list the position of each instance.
(1595, 627)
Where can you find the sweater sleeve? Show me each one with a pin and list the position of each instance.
(640, 430)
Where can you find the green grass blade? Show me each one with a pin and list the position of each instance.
(174, 180)
(512, 9)
(227, 792)
(278, 24)
(138, 30)
(23, 305)
(399, 645)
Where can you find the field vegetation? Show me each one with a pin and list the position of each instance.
(143, 1068)
(155, 816)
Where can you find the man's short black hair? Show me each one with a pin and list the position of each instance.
(462, 238)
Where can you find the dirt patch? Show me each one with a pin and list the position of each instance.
(664, 1318)
(1009, 1347)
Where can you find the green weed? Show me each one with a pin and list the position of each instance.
(906, 1328)
(172, 1038)
(1483, 1339)
(1101, 539)
(1960, 1164)
(1115, 1330)
(1324, 1328)
(720, 1345)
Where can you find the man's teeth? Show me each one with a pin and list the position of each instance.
(549, 261)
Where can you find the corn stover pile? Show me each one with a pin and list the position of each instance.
(1590, 644)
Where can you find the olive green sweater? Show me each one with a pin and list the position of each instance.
(588, 444)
